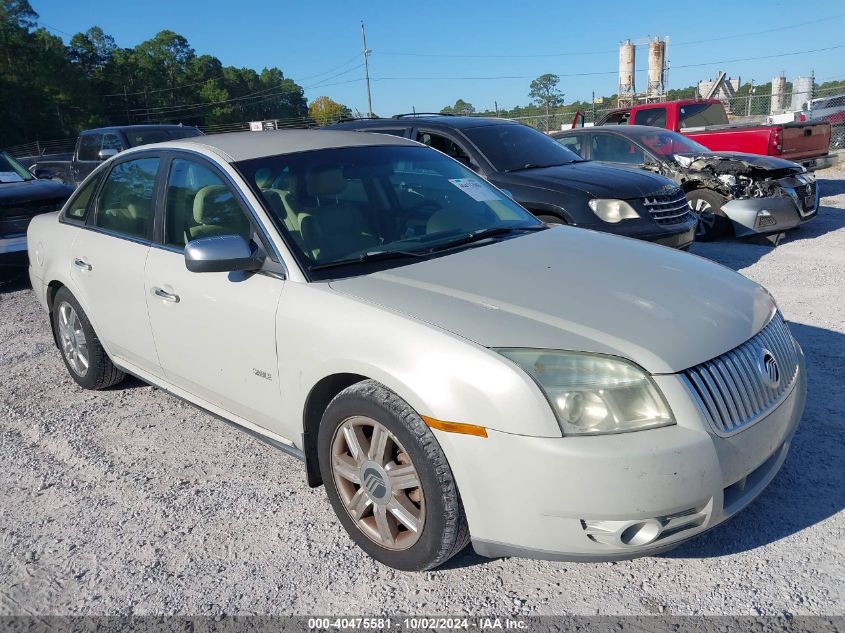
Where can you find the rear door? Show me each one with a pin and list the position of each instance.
(108, 258)
(215, 332)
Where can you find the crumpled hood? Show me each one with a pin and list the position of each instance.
(699, 160)
(574, 289)
(597, 179)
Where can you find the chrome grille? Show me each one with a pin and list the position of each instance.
(734, 390)
(668, 208)
(805, 193)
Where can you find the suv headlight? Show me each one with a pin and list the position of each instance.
(612, 211)
(592, 394)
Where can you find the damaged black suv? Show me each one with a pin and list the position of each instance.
(728, 191)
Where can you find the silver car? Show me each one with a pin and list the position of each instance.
(449, 368)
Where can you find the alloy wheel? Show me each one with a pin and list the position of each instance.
(72, 339)
(703, 211)
(377, 482)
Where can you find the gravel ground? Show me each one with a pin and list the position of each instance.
(131, 502)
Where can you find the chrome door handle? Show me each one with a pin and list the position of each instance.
(167, 296)
(81, 263)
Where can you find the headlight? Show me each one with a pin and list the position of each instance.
(613, 211)
(592, 394)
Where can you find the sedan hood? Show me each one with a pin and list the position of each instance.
(573, 289)
(597, 179)
(736, 162)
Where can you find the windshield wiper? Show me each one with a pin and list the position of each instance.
(368, 256)
(484, 234)
(535, 166)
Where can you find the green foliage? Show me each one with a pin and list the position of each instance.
(461, 107)
(49, 90)
(325, 111)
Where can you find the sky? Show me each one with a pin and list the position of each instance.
(425, 55)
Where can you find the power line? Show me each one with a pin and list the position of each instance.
(607, 52)
(611, 72)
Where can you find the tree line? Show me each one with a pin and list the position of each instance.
(51, 90)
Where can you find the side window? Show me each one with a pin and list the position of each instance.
(617, 118)
(89, 147)
(573, 142)
(126, 205)
(615, 149)
(448, 147)
(651, 116)
(78, 206)
(112, 141)
(200, 204)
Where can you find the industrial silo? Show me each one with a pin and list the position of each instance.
(802, 92)
(627, 58)
(778, 90)
(656, 66)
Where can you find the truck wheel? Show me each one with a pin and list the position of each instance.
(550, 220)
(388, 479)
(706, 206)
(84, 357)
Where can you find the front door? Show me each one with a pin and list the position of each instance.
(108, 259)
(215, 332)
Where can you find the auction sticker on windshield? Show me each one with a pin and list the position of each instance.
(475, 189)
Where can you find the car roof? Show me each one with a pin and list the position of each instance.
(431, 120)
(238, 146)
(631, 131)
(146, 126)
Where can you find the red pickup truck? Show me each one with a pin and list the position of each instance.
(706, 121)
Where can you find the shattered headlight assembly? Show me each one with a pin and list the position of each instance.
(612, 211)
(593, 394)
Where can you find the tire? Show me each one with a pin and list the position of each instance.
(707, 205)
(551, 220)
(84, 356)
(434, 505)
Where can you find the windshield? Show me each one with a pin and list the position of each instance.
(353, 205)
(11, 170)
(159, 135)
(671, 143)
(513, 147)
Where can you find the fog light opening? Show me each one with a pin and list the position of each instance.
(641, 533)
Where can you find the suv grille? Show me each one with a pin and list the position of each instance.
(15, 219)
(667, 209)
(806, 196)
(735, 390)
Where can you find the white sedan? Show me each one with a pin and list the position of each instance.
(448, 367)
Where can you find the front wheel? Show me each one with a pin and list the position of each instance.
(388, 479)
(706, 206)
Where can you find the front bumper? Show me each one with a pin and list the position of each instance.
(16, 244)
(573, 498)
(679, 235)
(775, 214)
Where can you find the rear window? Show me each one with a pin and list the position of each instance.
(512, 147)
(702, 114)
(159, 135)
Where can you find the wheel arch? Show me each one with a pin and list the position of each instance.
(318, 399)
(52, 288)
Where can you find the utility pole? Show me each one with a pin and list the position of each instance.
(750, 97)
(496, 105)
(367, 71)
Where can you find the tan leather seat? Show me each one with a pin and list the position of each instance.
(330, 227)
(278, 194)
(217, 213)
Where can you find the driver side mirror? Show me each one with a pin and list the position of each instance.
(105, 154)
(222, 254)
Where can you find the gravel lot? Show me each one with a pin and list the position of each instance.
(131, 502)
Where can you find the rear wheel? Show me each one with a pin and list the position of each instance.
(706, 206)
(84, 356)
(388, 479)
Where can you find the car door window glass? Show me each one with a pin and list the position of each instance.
(573, 142)
(448, 147)
(89, 146)
(200, 204)
(651, 116)
(112, 141)
(125, 205)
(78, 205)
(615, 149)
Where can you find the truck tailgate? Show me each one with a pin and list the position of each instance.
(805, 140)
